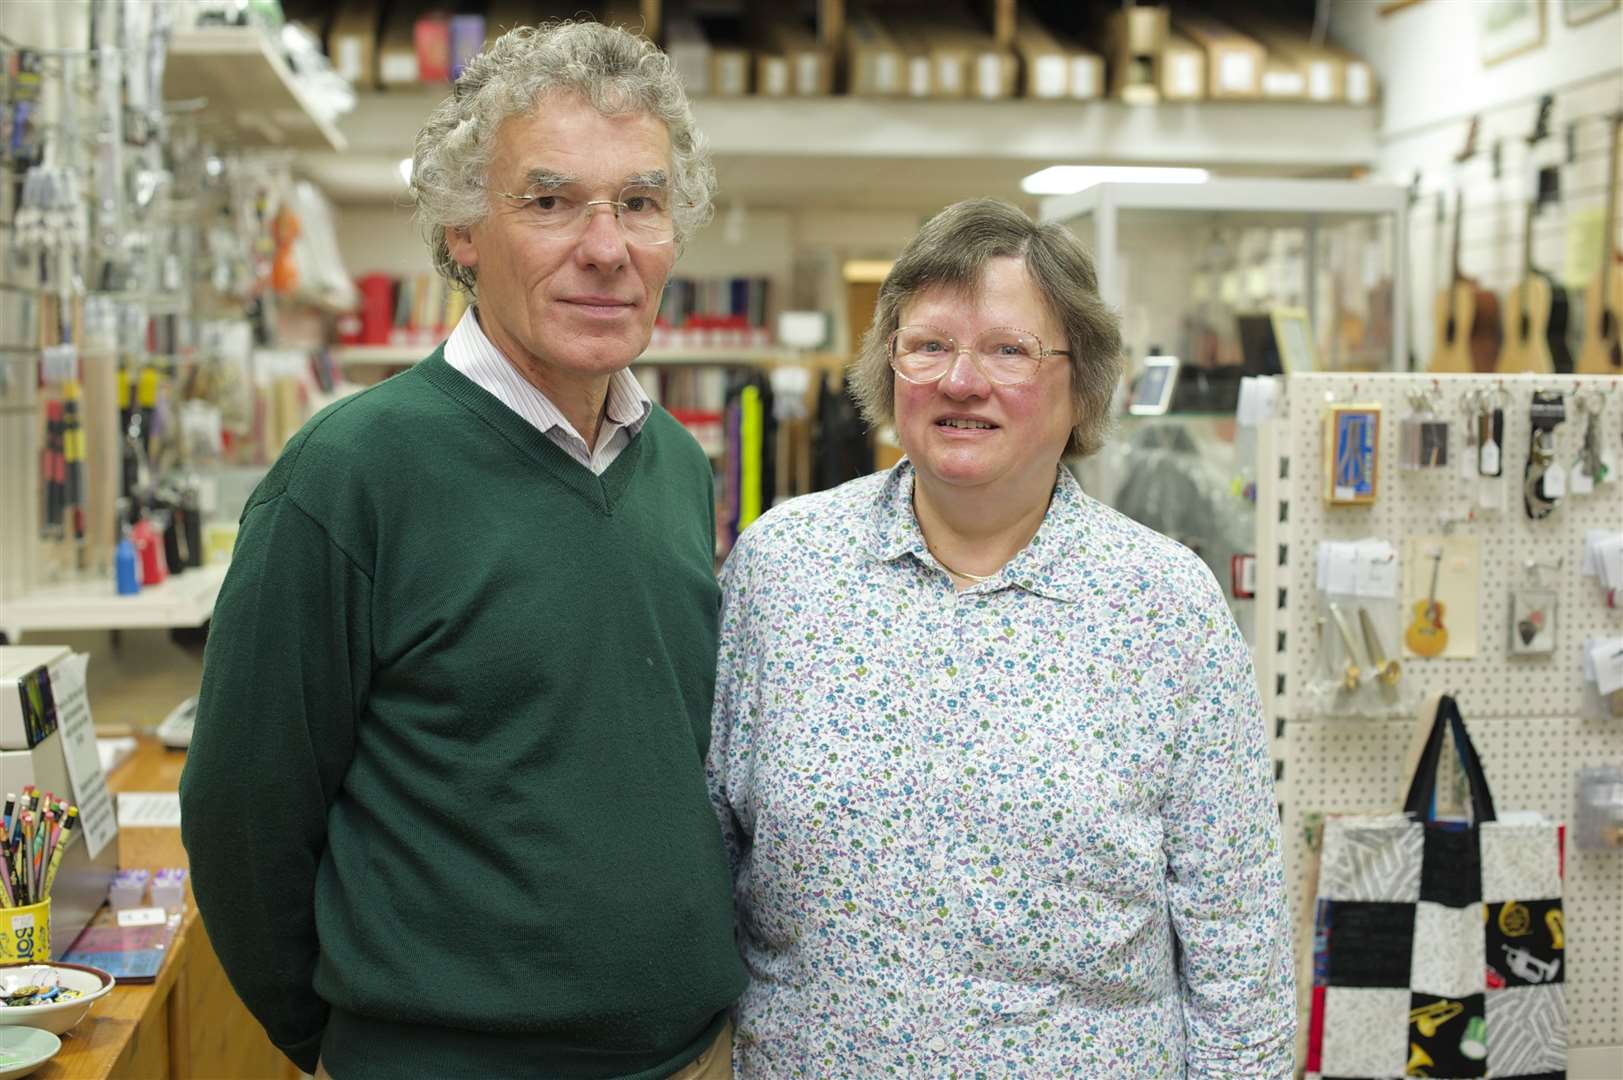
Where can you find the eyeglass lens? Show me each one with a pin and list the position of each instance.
(1005, 355)
(644, 212)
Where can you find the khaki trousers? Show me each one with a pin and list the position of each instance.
(716, 1063)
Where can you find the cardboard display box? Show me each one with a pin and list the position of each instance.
(1134, 38)
(1233, 61)
(874, 65)
(1183, 69)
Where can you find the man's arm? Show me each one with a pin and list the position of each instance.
(285, 673)
(1226, 887)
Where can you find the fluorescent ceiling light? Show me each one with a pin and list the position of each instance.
(405, 170)
(1069, 179)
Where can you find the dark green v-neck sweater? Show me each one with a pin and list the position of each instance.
(445, 801)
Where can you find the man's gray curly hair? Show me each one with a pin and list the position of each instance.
(616, 71)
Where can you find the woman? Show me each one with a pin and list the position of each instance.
(988, 755)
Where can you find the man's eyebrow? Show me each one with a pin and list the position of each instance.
(546, 178)
(648, 178)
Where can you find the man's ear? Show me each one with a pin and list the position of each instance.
(460, 242)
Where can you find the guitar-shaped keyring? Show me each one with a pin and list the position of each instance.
(1427, 636)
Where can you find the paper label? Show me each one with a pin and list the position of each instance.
(949, 74)
(1085, 77)
(1237, 71)
(1606, 656)
(918, 76)
(349, 60)
(1186, 75)
(149, 809)
(1282, 83)
(1489, 460)
(142, 916)
(396, 67)
(1048, 77)
(1320, 80)
(1377, 570)
(807, 70)
(1358, 84)
(887, 73)
(775, 77)
(989, 75)
(1555, 482)
(81, 756)
(1578, 481)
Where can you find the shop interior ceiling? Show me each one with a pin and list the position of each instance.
(897, 154)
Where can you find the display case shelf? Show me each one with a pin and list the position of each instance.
(249, 88)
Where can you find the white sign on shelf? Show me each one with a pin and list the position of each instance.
(80, 753)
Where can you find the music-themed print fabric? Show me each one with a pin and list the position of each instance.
(1439, 947)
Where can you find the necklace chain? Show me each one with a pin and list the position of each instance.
(977, 578)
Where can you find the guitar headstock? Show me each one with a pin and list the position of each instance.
(1468, 151)
(1541, 125)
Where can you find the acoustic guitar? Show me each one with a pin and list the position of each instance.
(1536, 309)
(1602, 351)
(1427, 636)
(1465, 323)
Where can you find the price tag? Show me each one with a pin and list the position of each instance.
(1555, 482)
(1579, 482)
(1488, 464)
(142, 916)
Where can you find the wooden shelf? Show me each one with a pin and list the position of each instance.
(184, 600)
(249, 86)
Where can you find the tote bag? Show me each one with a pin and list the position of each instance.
(1439, 946)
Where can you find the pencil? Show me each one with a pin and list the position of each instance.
(68, 833)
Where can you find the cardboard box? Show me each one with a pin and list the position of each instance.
(1052, 68)
(874, 65)
(397, 46)
(1134, 38)
(1233, 61)
(689, 52)
(811, 67)
(771, 74)
(432, 36)
(1323, 69)
(352, 42)
(729, 57)
(918, 76)
(1283, 80)
(1183, 69)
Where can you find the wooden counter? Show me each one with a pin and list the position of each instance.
(189, 1023)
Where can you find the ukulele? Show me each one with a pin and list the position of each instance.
(1427, 636)
(1466, 321)
(1602, 352)
(1536, 309)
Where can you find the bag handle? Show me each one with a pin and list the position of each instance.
(1423, 787)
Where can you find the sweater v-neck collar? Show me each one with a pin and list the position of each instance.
(601, 492)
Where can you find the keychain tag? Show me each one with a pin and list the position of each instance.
(1578, 482)
(1555, 483)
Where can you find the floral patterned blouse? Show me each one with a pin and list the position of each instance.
(1027, 829)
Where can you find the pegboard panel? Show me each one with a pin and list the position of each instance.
(1357, 767)
(1413, 502)
(1532, 719)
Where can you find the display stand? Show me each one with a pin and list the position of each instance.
(1532, 719)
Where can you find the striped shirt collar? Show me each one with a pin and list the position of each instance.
(476, 356)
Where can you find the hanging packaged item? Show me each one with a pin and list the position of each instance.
(1439, 946)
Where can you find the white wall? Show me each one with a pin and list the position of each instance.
(1427, 59)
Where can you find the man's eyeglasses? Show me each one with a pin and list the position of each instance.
(1005, 355)
(644, 212)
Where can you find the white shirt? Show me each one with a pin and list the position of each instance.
(472, 353)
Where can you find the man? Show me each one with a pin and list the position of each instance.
(445, 801)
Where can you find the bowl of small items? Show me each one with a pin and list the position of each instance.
(52, 997)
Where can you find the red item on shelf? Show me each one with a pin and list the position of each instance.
(377, 308)
(149, 550)
(433, 40)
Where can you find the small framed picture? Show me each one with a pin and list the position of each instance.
(1574, 12)
(1352, 451)
(1152, 390)
(1532, 622)
(1506, 28)
(1293, 335)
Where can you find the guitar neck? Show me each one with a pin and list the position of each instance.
(1609, 236)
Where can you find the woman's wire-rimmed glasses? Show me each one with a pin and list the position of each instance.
(1007, 356)
(644, 212)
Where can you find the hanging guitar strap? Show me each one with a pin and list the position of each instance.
(1548, 411)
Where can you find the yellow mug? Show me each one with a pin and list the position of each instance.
(25, 933)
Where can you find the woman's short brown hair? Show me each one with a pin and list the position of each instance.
(952, 251)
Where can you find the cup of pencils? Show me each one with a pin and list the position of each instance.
(38, 828)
